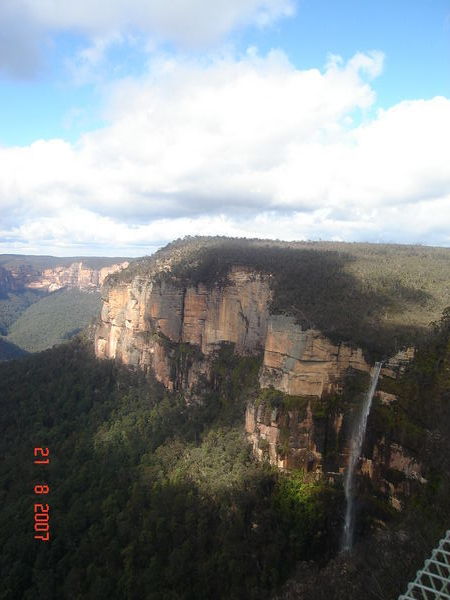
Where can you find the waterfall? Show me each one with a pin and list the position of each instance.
(358, 434)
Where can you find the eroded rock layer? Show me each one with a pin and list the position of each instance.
(76, 275)
(304, 362)
(141, 321)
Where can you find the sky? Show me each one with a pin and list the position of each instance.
(125, 124)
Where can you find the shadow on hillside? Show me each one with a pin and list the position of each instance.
(8, 350)
(316, 287)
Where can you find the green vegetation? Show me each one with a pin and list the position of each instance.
(422, 392)
(31, 321)
(54, 319)
(156, 496)
(13, 305)
(229, 371)
(379, 297)
(277, 399)
(150, 497)
(291, 410)
(419, 420)
(306, 507)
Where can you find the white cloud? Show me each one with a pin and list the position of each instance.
(250, 146)
(180, 20)
(193, 23)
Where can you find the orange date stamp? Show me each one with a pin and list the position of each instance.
(42, 511)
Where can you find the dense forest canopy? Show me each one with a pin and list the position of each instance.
(13, 304)
(155, 496)
(32, 321)
(9, 350)
(381, 564)
(151, 497)
(54, 319)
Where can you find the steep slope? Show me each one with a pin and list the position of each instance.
(381, 565)
(146, 322)
(154, 491)
(149, 497)
(13, 304)
(54, 319)
(377, 297)
(31, 317)
(317, 325)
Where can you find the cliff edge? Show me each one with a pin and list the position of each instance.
(317, 327)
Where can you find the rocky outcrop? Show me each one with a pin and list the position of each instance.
(397, 364)
(394, 469)
(154, 321)
(301, 362)
(315, 435)
(7, 282)
(76, 275)
(286, 438)
(142, 321)
(317, 441)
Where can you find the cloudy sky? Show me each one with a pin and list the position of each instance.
(125, 123)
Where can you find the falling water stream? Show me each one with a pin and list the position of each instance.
(355, 452)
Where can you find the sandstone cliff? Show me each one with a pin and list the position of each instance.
(314, 435)
(74, 276)
(301, 362)
(141, 321)
(23, 276)
(7, 282)
(152, 321)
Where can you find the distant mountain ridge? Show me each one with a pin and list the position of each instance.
(32, 316)
(50, 273)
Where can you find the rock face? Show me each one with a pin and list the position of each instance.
(286, 438)
(153, 322)
(318, 443)
(394, 469)
(7, 282)
(76, 275)
(304, 362)
(141, 321)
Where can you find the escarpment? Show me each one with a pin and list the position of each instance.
(7, 282)
(143, 322)
(75, 275)
(19, 276)
(310, 385)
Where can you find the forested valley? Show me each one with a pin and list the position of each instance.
(149, 498)
(156, 494)
(153, 498)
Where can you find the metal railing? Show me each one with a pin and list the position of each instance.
(432, 582)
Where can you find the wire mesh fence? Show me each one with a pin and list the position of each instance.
(432, 582)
